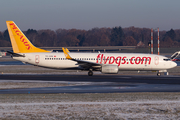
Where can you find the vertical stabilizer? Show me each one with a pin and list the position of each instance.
(19, 41)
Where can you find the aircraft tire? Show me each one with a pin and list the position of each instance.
(90, 73)
(158, 74)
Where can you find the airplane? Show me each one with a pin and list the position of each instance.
(107, 63)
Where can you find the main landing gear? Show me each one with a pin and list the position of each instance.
(165, 73)
(90, 73)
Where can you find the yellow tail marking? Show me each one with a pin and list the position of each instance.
(19, 41)
(66, 53)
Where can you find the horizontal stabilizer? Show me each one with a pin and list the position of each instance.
(15, 54)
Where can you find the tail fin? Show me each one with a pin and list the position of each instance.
(19, 41)
(175, 55)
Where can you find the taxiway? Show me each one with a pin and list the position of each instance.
(99, 84)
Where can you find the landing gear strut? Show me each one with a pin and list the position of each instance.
(90, 73)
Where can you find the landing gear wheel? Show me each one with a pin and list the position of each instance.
(158, 74)
(90, 73)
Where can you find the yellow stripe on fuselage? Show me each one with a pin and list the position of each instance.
(19, 41)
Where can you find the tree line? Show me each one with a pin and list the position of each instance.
(116, 36)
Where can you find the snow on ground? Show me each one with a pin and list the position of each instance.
(159, 110)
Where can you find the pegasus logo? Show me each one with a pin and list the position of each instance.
(21, 36)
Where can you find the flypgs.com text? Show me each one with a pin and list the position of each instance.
(102, 59)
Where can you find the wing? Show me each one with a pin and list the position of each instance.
(81, 63)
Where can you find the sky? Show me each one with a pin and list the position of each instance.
(88, 14)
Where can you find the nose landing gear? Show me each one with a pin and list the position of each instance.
(160, 71)
(158, 74)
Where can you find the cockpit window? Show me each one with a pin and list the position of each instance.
(167, 59)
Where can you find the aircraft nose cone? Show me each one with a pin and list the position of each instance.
(173, 64)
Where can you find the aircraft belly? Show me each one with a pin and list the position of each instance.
(135, 67)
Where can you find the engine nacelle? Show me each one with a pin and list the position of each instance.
(109, 69)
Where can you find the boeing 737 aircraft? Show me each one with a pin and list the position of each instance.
(25, 51)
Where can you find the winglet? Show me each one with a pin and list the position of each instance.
(66, 53)
(67, 50)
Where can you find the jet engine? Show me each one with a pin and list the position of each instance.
(109, 69)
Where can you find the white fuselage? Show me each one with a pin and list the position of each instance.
(125, 61)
